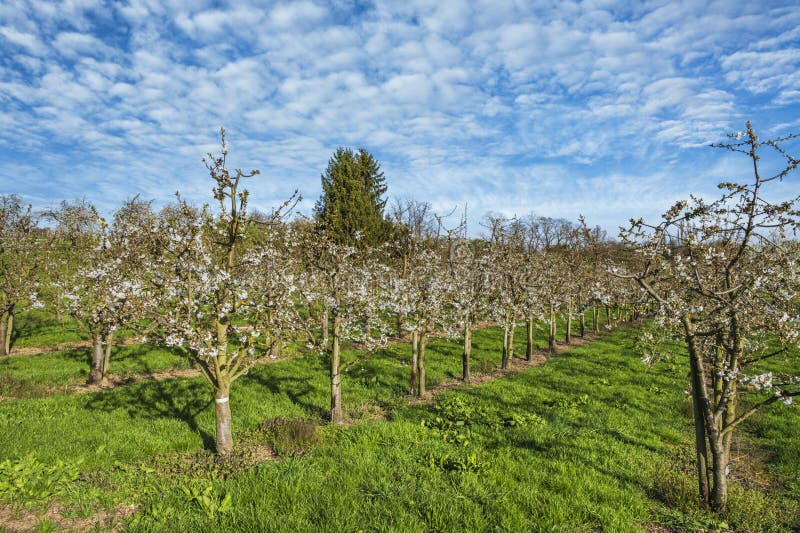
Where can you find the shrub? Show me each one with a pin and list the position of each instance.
(290, 437)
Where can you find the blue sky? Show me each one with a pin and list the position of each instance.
(600, 108)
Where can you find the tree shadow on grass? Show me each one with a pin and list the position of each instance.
(299, 390)
(184, 400)
(133, 359)
(381, 371)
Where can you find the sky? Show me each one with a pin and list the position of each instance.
(599, 108)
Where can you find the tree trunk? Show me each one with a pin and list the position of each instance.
(608, 316)
(568, 335)
(98, 357)
(222, 412)
(6, 325)
(59, 312)
(596, 319)
(530, 347)
(275, 347)
(551, 339)
(700, 429)
(423, 340)
(9, 331)
(336, 377)
(511, 331)
(720, 492)
(582, 322)
(721, 446)
(324, 324)
(109, 341)
(465, 374)
(701, 451)
(504, 357)
(414, 361)
(401, 318)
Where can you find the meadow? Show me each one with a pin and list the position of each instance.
(588, 440)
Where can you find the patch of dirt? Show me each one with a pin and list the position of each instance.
(258, 453)
(658, 528)
(161, 375)
(115, 381)
(18, 520)
(246, 454)
(748, 466)
(61, 346)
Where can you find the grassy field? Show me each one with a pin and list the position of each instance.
(31, 376)
(591, 440)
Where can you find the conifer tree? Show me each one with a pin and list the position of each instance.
(350, 209)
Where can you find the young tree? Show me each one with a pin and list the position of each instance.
(350, 209)
(468, 271)
(110, 291)
(508, 280)
(725, 279)
(20, 256)
(271, 278)
(351, 284)
(205, 305)
(555, 238)
(412, 226)
(533, 274)
(421, 298)
(77, 224)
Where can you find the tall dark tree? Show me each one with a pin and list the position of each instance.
(351, 207)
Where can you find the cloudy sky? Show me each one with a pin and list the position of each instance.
(600, 108)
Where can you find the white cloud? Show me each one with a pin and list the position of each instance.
(28, 41)
(74, 44)
(291, 14)
(509, 106)
(764, 71)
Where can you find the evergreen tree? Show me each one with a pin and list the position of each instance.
(352, 199)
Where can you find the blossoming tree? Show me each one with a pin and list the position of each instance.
(724, 275)
(468, 270)
(422, 297)
(205, 306)
(20, 258)
(351, 285)
(508, 280)
(108, 291)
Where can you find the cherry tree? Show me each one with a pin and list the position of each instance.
(21, 255)
(271, 273)
(413, 227)
(508, 278)
(724, 277)
(585, 263)
(468, 277)
(545, 243)
(205, 305)
(109, 291)
(351, 285)
(422, 298)
(533, 278)
(556, 238)
(76, 226)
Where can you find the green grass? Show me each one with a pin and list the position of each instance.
(31, 376)
(592, 440)
(296, 387)
(40, 327)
